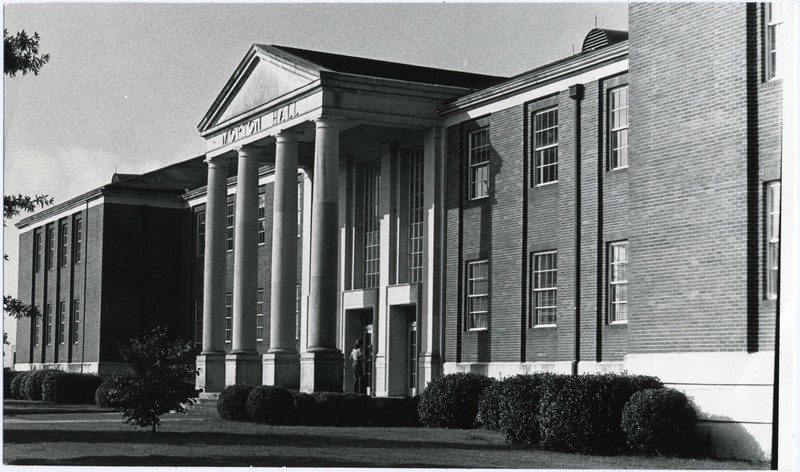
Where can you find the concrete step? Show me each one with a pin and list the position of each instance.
(207, 402)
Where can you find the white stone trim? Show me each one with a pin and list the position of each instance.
(203, 199)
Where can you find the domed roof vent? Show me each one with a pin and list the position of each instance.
(600, 38)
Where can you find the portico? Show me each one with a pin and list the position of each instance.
(281, 103)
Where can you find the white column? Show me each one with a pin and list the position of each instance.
(281, 363)
(211, 361)
(321, 366)
(243, 364)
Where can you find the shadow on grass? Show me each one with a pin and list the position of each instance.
(221, 439)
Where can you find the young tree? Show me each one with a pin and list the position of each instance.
(159, 379)
(21, 54)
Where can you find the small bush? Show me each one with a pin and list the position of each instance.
(232, 402)
(105, 393)
(394, 412)
(8, 377)
(489, 406)
(270, 405)
(16, 385)
(305, 408)
(659, 421)
(343, 409)
(583, 413)
(32, 385)
(451, 401)
(519, 406)
(70, 388)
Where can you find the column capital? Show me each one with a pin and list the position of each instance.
(247, 151)
(328, 121)
(287, 136)
(218, 161)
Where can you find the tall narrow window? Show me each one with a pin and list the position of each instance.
(262, 214)
(545, 146)
(298, 296)
(37, 251)
(618, 282)
(773, 237)
(198, 321)
(229, 227)
(51, 247)
(200, 233)
(77, 252)
(545, 288)
(36, 329)
(228, 317)
(62, 322)
(76, 320)
(260, 315)
(479, 164)
(618, 128)
(774, 32)
(63, 240)
(478, 295)
(416, 214)
(372, 224)
(48, 336)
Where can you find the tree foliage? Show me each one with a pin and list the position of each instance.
(159, 379)
(21, 54)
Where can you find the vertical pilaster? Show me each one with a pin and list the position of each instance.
(321, 364)
(243, 364)
(211, 361)
(387, 334)
(281, 365)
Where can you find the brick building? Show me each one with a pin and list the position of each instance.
(616, 210)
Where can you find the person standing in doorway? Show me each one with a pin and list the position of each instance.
(357, 357)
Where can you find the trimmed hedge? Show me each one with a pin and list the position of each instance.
(521, 396)
(305, 408)
(343, 409)
(8, 376)
(270, 405)
(32, 384)
(451, 401)
(394, 411)
(70, 388)
(105, 393)
(489, 405)
(583, 413)
(659, 421)
(232, 402)
(16, 385)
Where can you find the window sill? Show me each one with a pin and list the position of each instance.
(618, 323)
(618, 168)
(546, 184)
(477, 330)
(545, 326)
(478, 199)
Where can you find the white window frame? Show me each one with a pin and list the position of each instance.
(228, 318)
(773, 38)
(538, 151)
(48, 335)
(76, 320)
(62, 323)
(372, 224)
(197, 335)
(773, 241)
(260, 315)
(38, 236)
(475, 297)
(479, 164)
(613, 316)
(614, 160)
(36, 339)
(50, 249)
(77, 229)
(230, 226)
(541, 289)
(262, 215)
(63, 243)
(200, 233)
(416, 215)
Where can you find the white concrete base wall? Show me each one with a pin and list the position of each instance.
(101, 368)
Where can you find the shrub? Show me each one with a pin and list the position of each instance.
(304, 408)
(232, 402)
(16, 385)
(105, 393)
(8, 377)
(659, 421)
(32, 385)
(519, 406)
(583, 413)
(489, 406)
(394, 411)
(451, 401)
(343, 409)
(270, 405)
(72, 388)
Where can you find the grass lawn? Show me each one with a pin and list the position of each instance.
(202, 439)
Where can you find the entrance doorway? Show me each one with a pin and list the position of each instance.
(366, 339)
(411, 357)
(359, 325)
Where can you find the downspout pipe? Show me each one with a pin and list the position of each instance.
(576, 93)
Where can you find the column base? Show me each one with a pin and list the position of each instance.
(243, 369)
(321, 371)
(212, 372)
(281, 369)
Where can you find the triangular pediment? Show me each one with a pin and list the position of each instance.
(262, 77)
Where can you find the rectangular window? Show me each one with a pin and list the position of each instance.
(48, 335)
(372, 224)
(62, 257)
(416, 215)
(51, 247)
(479, 164)
(262, 214)
(198, 321)
(76, 320)
(37, 251)
(545, 146)
(200, 234)
(298, 295)
(228, 317)
(773, 237)
(260, 315)
(36, 330)
(62, 322)
(545, 288)
(77, 252)
(618, 128)
(229, 226)
(618, 282)
(774, 32)
(478, 295)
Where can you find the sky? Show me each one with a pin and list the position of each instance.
(127, 84)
